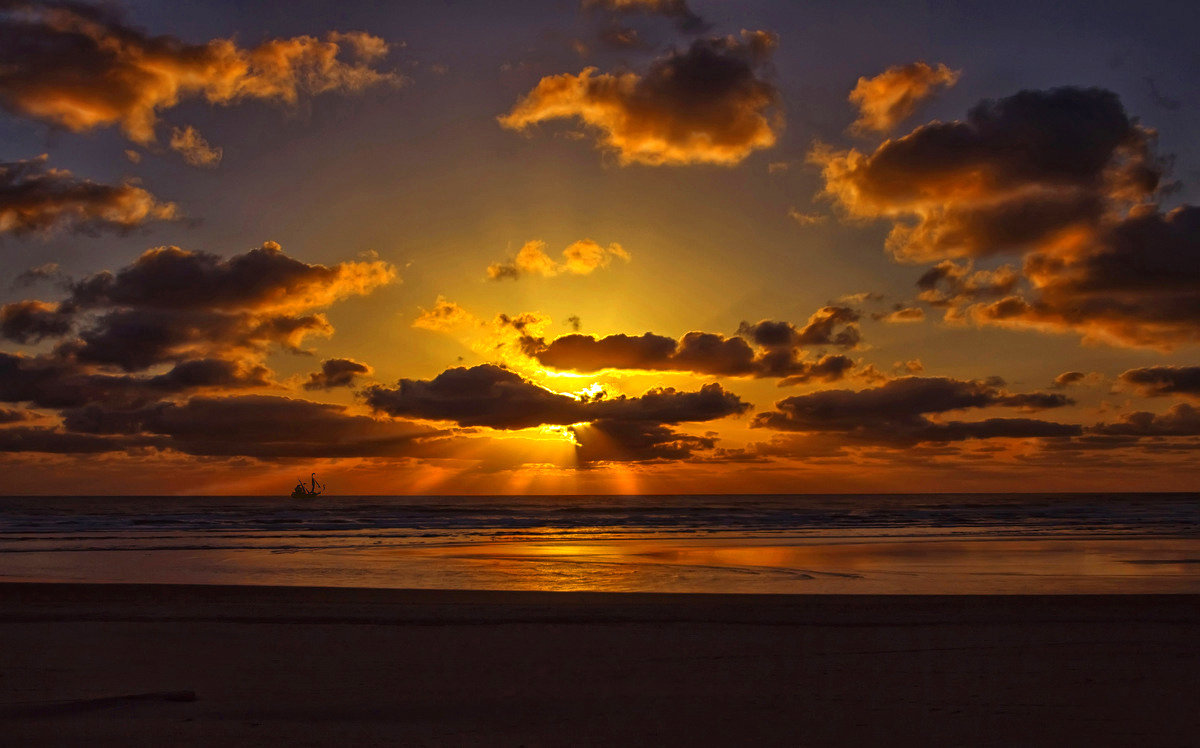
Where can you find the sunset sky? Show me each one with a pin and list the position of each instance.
(609, 246)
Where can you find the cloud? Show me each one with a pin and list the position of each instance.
(1068, 378)
(1158, 381)
(580, 258)
(893, 95)
(37, 274)
(33, 321)
(81, 67)
(764, 349)
(445, 316)
(172, 305)
(195, 150)
(34, 197)
(707, 104)
(1181, 420)
(57, 441)
(173, 321)
(337, 372)
(896, 413)
(10, 415)
(676, 10)
(57, 381)
(636, 441)
(263, 279)
(263, 426)
(488, 395)
(806, 219)
(901, 315)
(1064, 180)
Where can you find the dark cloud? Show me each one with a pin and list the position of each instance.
(11, 415)
(1181, 420)
(1157, 381)
(1063, 179)
(52, 381)
(81, 67)
(44, 272)
(488, 395)
(263, 279)
(636, 441)
(32, 321)
(172, 305)
(263, 426)
(33, 439)
(172, 323)
(337, 372)
(708, 104)
(767, 348)
(895, 413)
(677, 10)
(36, 198)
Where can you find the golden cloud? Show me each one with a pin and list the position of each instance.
(893, 95)
(707, 104)
(1063, 179)
(580, 258)
(36, 198)
(81, 68)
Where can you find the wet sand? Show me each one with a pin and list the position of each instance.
(207, 665)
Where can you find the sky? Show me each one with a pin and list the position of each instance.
(598, 246)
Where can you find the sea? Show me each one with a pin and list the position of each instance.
(784, 544)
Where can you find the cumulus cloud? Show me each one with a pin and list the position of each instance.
(677, 10)
(337, 372)
(767, 348)
(34, 197)
(707, 104)
(488, 395)
(1064, 180)
(897, 412)
(892, 96)
(1157, 381)
(580, 258)
(171, 322)
(82, 67)
(196, 151)
(33, 321)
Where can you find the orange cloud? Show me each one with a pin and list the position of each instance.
(893, 95)
(196, 151)
(580, 258)
(1063, 179)
(703, 105)
(36, 198)
(81, 68)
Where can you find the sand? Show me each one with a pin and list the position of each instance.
(195, 665)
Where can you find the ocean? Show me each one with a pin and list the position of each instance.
(899, 544)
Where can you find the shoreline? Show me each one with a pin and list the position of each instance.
(119, 664)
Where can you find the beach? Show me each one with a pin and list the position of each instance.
(204, 665)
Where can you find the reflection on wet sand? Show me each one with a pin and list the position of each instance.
(832, 565)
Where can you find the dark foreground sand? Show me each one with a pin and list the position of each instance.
(172, 665)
